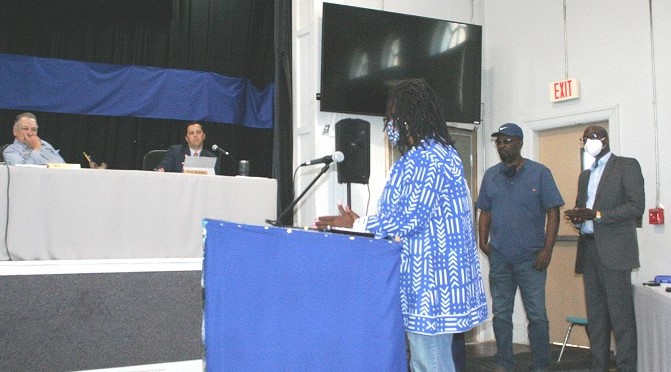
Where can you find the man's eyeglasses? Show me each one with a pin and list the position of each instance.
(506, 141)
(594, 136)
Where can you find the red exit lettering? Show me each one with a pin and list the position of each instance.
(563, 90)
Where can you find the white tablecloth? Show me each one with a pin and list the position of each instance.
(653, 322)
(102, 214)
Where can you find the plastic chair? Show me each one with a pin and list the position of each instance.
(572, 320)
(152, 159)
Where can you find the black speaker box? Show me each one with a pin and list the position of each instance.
(353, 140)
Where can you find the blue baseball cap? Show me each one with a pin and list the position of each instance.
(509, 129)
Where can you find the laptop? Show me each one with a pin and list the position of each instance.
(199, 164)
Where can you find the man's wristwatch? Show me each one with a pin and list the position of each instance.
(598, 216)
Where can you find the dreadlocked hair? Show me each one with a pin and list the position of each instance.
(417, 113)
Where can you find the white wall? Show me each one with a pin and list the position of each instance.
(608, 48)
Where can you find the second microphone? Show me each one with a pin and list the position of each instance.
(328, 159)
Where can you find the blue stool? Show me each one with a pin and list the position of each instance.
(572, 320)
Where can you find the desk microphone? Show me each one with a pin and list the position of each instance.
(328, 159)
(220, 150)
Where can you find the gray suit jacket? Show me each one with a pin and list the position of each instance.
(620, 197)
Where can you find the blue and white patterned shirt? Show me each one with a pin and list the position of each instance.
(426, 202)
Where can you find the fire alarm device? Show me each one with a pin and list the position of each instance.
(656, 216)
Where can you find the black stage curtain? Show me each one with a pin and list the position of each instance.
(283, 133)
(233, 38)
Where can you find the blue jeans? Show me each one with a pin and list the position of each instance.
(430, 353)
(504, 279)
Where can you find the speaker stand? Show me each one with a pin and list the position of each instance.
(349, 195)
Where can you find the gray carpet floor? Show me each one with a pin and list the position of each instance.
(480, 358)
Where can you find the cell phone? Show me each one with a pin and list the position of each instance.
(663, 279)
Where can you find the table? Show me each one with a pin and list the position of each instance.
(653, 322)
(69, 214)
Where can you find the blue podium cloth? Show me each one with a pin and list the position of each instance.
(75, 87)
(280, 299)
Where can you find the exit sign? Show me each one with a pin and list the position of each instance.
(564, 90)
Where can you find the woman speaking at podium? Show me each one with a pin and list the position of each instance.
(426, 205)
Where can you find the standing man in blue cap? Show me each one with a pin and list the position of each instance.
(519, 219)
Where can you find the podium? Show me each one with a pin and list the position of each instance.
(283, 299)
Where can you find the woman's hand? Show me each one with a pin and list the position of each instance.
(346, 218)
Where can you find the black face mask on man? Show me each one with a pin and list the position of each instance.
(509, 171)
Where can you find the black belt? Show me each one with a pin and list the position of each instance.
(588, 236)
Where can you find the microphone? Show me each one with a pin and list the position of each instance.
(220, 150)
(335, 157)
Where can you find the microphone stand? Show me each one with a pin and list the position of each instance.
(229, 156)
(221, 151)
(291, 206)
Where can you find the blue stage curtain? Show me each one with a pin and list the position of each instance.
(64, 86)
(279, 299)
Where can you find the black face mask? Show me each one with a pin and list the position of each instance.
(510, 171)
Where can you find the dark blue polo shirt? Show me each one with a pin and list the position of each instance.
(518, 205)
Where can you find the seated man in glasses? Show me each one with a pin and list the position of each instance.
(27, 147)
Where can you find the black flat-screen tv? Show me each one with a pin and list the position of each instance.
(366, 51)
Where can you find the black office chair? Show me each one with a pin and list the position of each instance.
(2, 157)
(152, 159)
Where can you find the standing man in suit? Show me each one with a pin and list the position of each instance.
(174, 158)
(610, 200)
